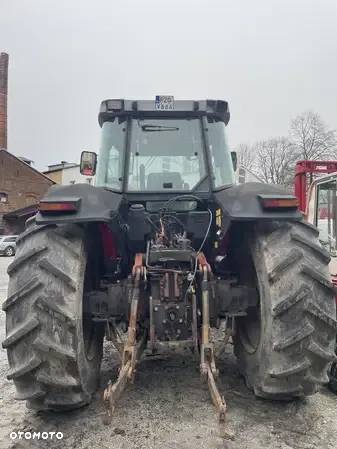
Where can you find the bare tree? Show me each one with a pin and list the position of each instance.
(275, 160)
(311, 139)
(246, 156)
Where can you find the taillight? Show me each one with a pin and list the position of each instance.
(58, 206)
(273, 202)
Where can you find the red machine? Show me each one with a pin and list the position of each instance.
(304, 172)
(308, 192)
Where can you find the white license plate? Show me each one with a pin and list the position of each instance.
(164, 103)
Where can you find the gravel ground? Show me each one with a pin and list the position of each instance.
(168, 408)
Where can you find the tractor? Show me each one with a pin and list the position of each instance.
(160, 250)
(316, 189)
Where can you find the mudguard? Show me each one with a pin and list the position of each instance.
(94, 204)
(242, 202)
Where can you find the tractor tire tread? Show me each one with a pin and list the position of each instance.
(41, 349)
(298, 343)
(27, 288)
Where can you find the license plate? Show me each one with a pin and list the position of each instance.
(164, 103)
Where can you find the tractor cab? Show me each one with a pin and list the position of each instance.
(316, 190)
(163, 147)
(321, 211)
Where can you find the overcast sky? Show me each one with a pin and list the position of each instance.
(271, 59)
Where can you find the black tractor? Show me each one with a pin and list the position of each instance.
(166, 246)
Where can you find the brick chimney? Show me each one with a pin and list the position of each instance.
(3, 99)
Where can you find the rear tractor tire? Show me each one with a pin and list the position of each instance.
(54, 353)
(285, 345)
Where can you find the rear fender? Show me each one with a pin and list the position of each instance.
(94, 204)
(242, 203)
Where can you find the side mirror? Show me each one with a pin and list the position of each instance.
(88, 163)
(234, 159)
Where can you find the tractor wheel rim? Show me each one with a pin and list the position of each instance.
(250, 329)
(89, 338)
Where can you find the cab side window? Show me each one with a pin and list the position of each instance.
(326, 215)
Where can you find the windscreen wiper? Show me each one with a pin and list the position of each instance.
(158, 128)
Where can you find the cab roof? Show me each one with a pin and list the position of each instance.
(218, 109)
(326, 177)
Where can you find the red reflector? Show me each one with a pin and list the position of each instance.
(274, 203)
(46, 206)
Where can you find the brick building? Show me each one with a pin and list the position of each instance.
(21, 187)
